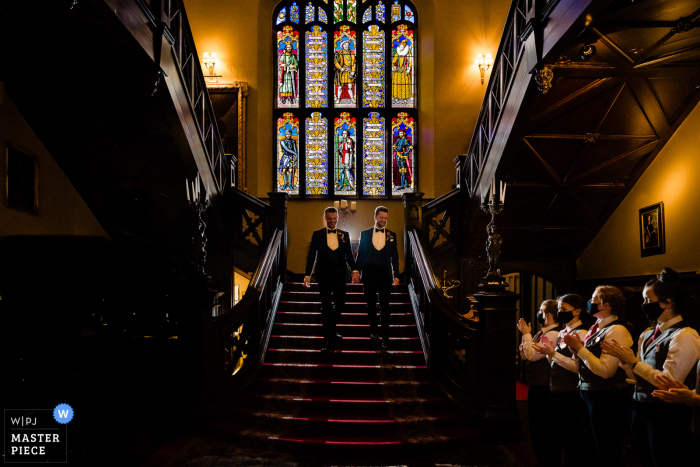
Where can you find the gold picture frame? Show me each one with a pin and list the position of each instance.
(652, 230)
(21, 180)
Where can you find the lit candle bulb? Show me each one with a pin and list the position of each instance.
(353, 206)
(336, 204)
(344, 204)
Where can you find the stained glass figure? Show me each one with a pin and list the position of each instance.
(373, 76)
(316, 154)
(288, 67)
(345, 139)
(409, 15)
(367, 16)
(373, 156)
(294, 13)
(403, 76)
(316, 71)
(395, 11)
(288, 154)
(309, 17)
(338, 12)
(403, 140)
(352, 11)
(381, 12)
(322, 17)
(345, 66)
(282, 15)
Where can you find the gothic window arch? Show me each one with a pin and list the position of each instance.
(345, 116)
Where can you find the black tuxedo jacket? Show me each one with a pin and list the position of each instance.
(386, 259)
(329, 261)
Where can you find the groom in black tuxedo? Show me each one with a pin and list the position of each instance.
(331, 252)
(378, 260)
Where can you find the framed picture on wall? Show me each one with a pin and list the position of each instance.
(21, 180)
(652, 230)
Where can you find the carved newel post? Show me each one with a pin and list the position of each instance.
(413, 219)
(497, 318)
(278, 220)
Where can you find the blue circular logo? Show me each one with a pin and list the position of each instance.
(63, 413)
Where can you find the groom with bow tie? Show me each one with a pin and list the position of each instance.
(331, 253)
(378, 260)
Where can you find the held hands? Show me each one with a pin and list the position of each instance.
(624, 354)
(524, 327)
(573, 341)
(307, 282)
(396, 281)
(355, 277)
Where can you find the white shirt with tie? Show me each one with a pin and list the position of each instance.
(526, 350)
(332, 239)
(568, 363)
(378, 238)
(606, 365)
(683, 353)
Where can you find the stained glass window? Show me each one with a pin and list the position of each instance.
(373, 88)
(316, 68)
(403, 141)
(288, 67)
(346, 104)
(373, 155)
(309, 17)
(380, 12)
(345, 67)
(344, 143)
(402, 67)
(316, 154)
(288, 154)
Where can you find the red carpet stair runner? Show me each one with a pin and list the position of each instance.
(354, 400)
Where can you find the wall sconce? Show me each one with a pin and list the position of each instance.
(342, 207)
(484, 63)
(210, 60)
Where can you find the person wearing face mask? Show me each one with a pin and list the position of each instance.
(602, 381)
(668, 351)
(537, 369)
(566, 398)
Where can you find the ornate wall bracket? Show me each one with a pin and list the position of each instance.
(544, 78)
(590, 138)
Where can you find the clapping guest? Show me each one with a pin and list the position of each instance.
(537, 368)
(603, 382)
(667, 352)
(566, 397)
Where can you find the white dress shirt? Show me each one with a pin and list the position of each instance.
(683, 353)
(378, 238)
(526, 350)
(332, 239)
(607, 365)
(568, 363)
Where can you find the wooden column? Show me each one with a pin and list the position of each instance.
(413, 219)
(278, 220)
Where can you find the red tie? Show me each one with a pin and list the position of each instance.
(590, 334)
(656, 334)
(537, 337)
(563, 335)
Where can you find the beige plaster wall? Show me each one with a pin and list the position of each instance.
(671, 178)
(452, 33)
(61, 209)
(305, 216)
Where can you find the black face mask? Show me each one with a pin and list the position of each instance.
(565, 316)
(540, 318)
(652, 310)
(592, 308)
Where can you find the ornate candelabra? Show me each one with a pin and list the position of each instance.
(494, 242)
(199, 202)
(343, 208)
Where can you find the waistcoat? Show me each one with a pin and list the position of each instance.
(589, 380)
(655, 354)
(538, 372)
(564, 380)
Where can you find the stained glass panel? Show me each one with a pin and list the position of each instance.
(316, 155)
(309, 17)
(282, 15)
(294, 13)
(316, 71)
(380, 12)
(352, 11)
(373, 76)
(373, 156)
(345, 142)
(368, 15)
(395, 11)
(322, 15)
(403, 76)
(409, 15)
(345, 67)
(288, 154)
(288, 67)
(338, 12)
(403, 140)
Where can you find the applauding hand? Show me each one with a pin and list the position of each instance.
(524, 327)
(573, 341)
(624, 354)
(544, 347)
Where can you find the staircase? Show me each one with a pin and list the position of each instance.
(356, 400)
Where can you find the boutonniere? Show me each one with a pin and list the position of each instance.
(389, 237)
(341, 237)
